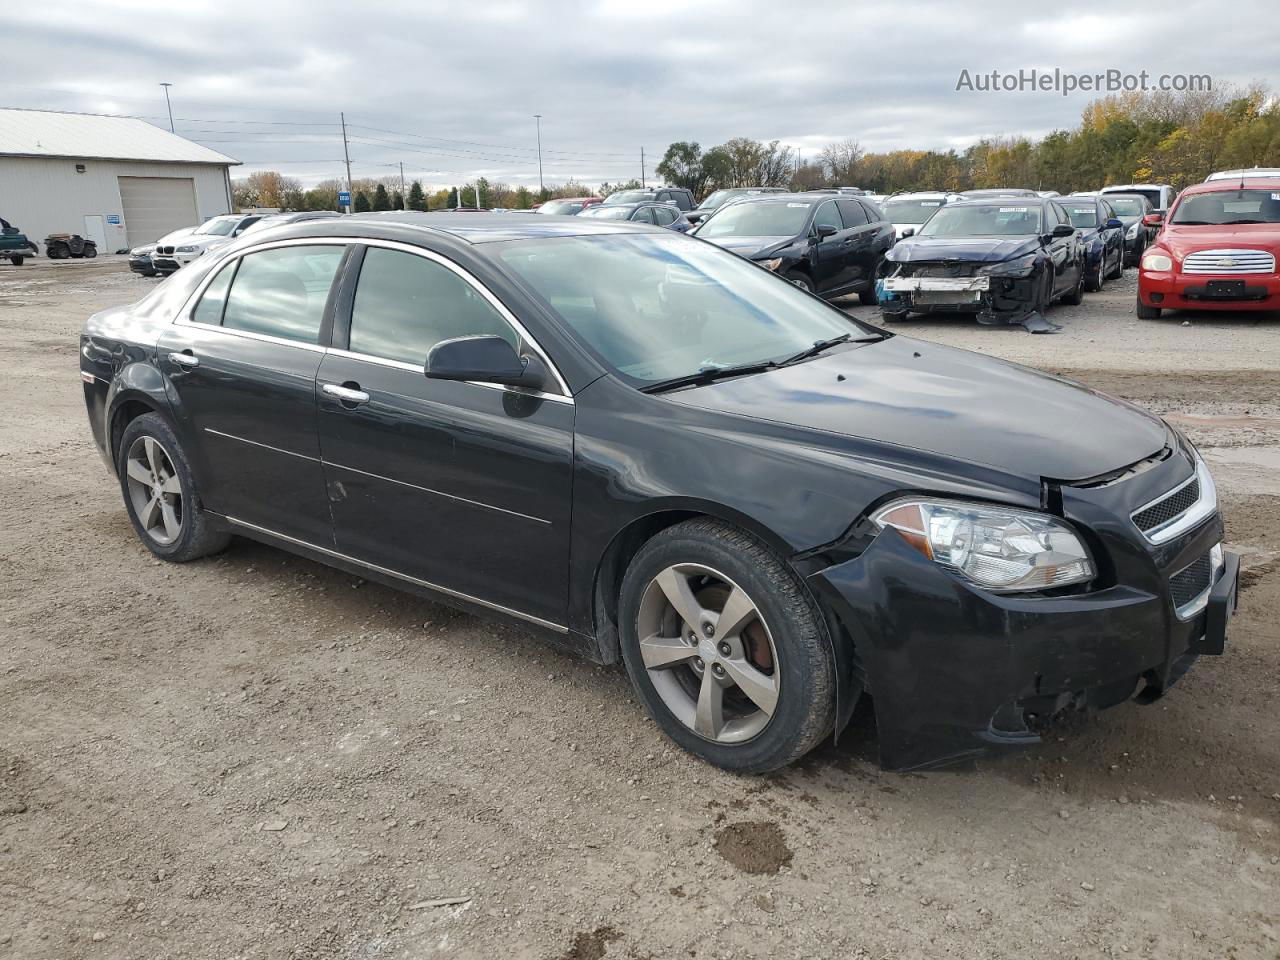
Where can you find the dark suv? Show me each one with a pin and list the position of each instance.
(681, 197)
(830, 245)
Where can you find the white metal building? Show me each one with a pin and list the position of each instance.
(118, 181)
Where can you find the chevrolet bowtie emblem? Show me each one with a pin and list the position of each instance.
(1227, 262)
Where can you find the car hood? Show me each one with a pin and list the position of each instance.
(175, 236)
(973, 249)
(1254, 236)
(747, 246)
(949, 402)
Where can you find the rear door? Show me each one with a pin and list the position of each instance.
(243, 367)
(860, 250)
(464, 487)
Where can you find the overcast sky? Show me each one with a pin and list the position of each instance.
(450, 88)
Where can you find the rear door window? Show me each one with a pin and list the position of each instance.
(406, 304)
(851, 213)
(642, 215)
(209, 309)
(664, 216)
(282, 292)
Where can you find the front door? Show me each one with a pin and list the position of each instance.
(243, 367)
(830, 261)
(464, 487)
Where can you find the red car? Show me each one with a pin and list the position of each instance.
(1216, 250)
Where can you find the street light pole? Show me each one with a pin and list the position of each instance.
(168, 104)
(538, 118)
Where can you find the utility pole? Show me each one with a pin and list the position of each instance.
(346, 154)
(538, 118)
(168, 104)
(642, 183)
(403, 201)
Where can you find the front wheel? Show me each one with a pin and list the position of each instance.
(1147, 313)
(726, 648)
(1076, 296)
(801, 280)
(17, 260)
(90, 251)
(867, 297)
(160, 493)
(1094, 282)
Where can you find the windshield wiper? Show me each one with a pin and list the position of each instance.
(821, 345)
(709, 375)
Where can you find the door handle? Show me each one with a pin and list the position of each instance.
(345, 394)
(184, 359)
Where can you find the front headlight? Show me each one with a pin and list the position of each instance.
(184, 250)
(1157, 261)
(993, 547)
(773, 264)
(141, 251)
(1020, 267)
(1132, 232)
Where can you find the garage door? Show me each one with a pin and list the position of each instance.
(154, 206)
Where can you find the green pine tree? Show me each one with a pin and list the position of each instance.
(380, 199)
(416, 199)
(361, 202)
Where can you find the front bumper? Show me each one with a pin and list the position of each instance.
(142, 265)
(1202, 291)
(990, 299)
(955, 671)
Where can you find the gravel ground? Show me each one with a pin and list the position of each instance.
(256, 756)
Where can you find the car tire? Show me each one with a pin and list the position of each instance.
(867, 297)
(89, 252)
(1147, 313)
(894, 316)
(1117, 272)
(801, 280)
(160, 493)
(1094, 283)
(17, 260)
(758, 696)
(1076, 296)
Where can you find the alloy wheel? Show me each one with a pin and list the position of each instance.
(155, 490)
(709, 653)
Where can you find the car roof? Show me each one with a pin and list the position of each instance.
(1248, 173)
(921, 194)
(1226, 186)
(1122, 187)
(405, 224)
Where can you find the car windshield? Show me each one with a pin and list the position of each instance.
(1228, 207)
(563, 207)
(714, 200)
(1082, 215)
(1153, 195)
(629, 196)
(603, 211)
(1010, 219)
(910, 211)
(1126, 206)
(764, 219)
(218, 226)
(657, 307)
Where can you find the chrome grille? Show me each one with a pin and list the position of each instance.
(1191, 581)
(1168, 508)
(1229, 262)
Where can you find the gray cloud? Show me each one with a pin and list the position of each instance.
(450, 89)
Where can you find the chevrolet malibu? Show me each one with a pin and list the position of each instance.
(652, 451)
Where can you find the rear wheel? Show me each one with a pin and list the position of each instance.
(1094, 281)
(57, 251)
(17, 259)
(867, 297)
(726, 648)
(160, 493)
(1117, 271)
(90, 251)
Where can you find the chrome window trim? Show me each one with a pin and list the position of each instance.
(387, 571)
(1193, 607)
(410, 368)
(1190, 518)
(184, 317)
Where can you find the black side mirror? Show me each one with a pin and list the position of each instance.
(489, 359)
(826, 230)
(909, 232)
(1115, 223)
(1063, 230)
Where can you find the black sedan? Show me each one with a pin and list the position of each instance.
(1102, 235)
(829, 245)
(1130, 208)
(655, 452)
(659, 214)
(1003, 260)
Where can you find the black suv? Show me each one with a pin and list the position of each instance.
(681, 197)
(830, 245)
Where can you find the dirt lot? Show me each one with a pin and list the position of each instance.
(256, 756)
